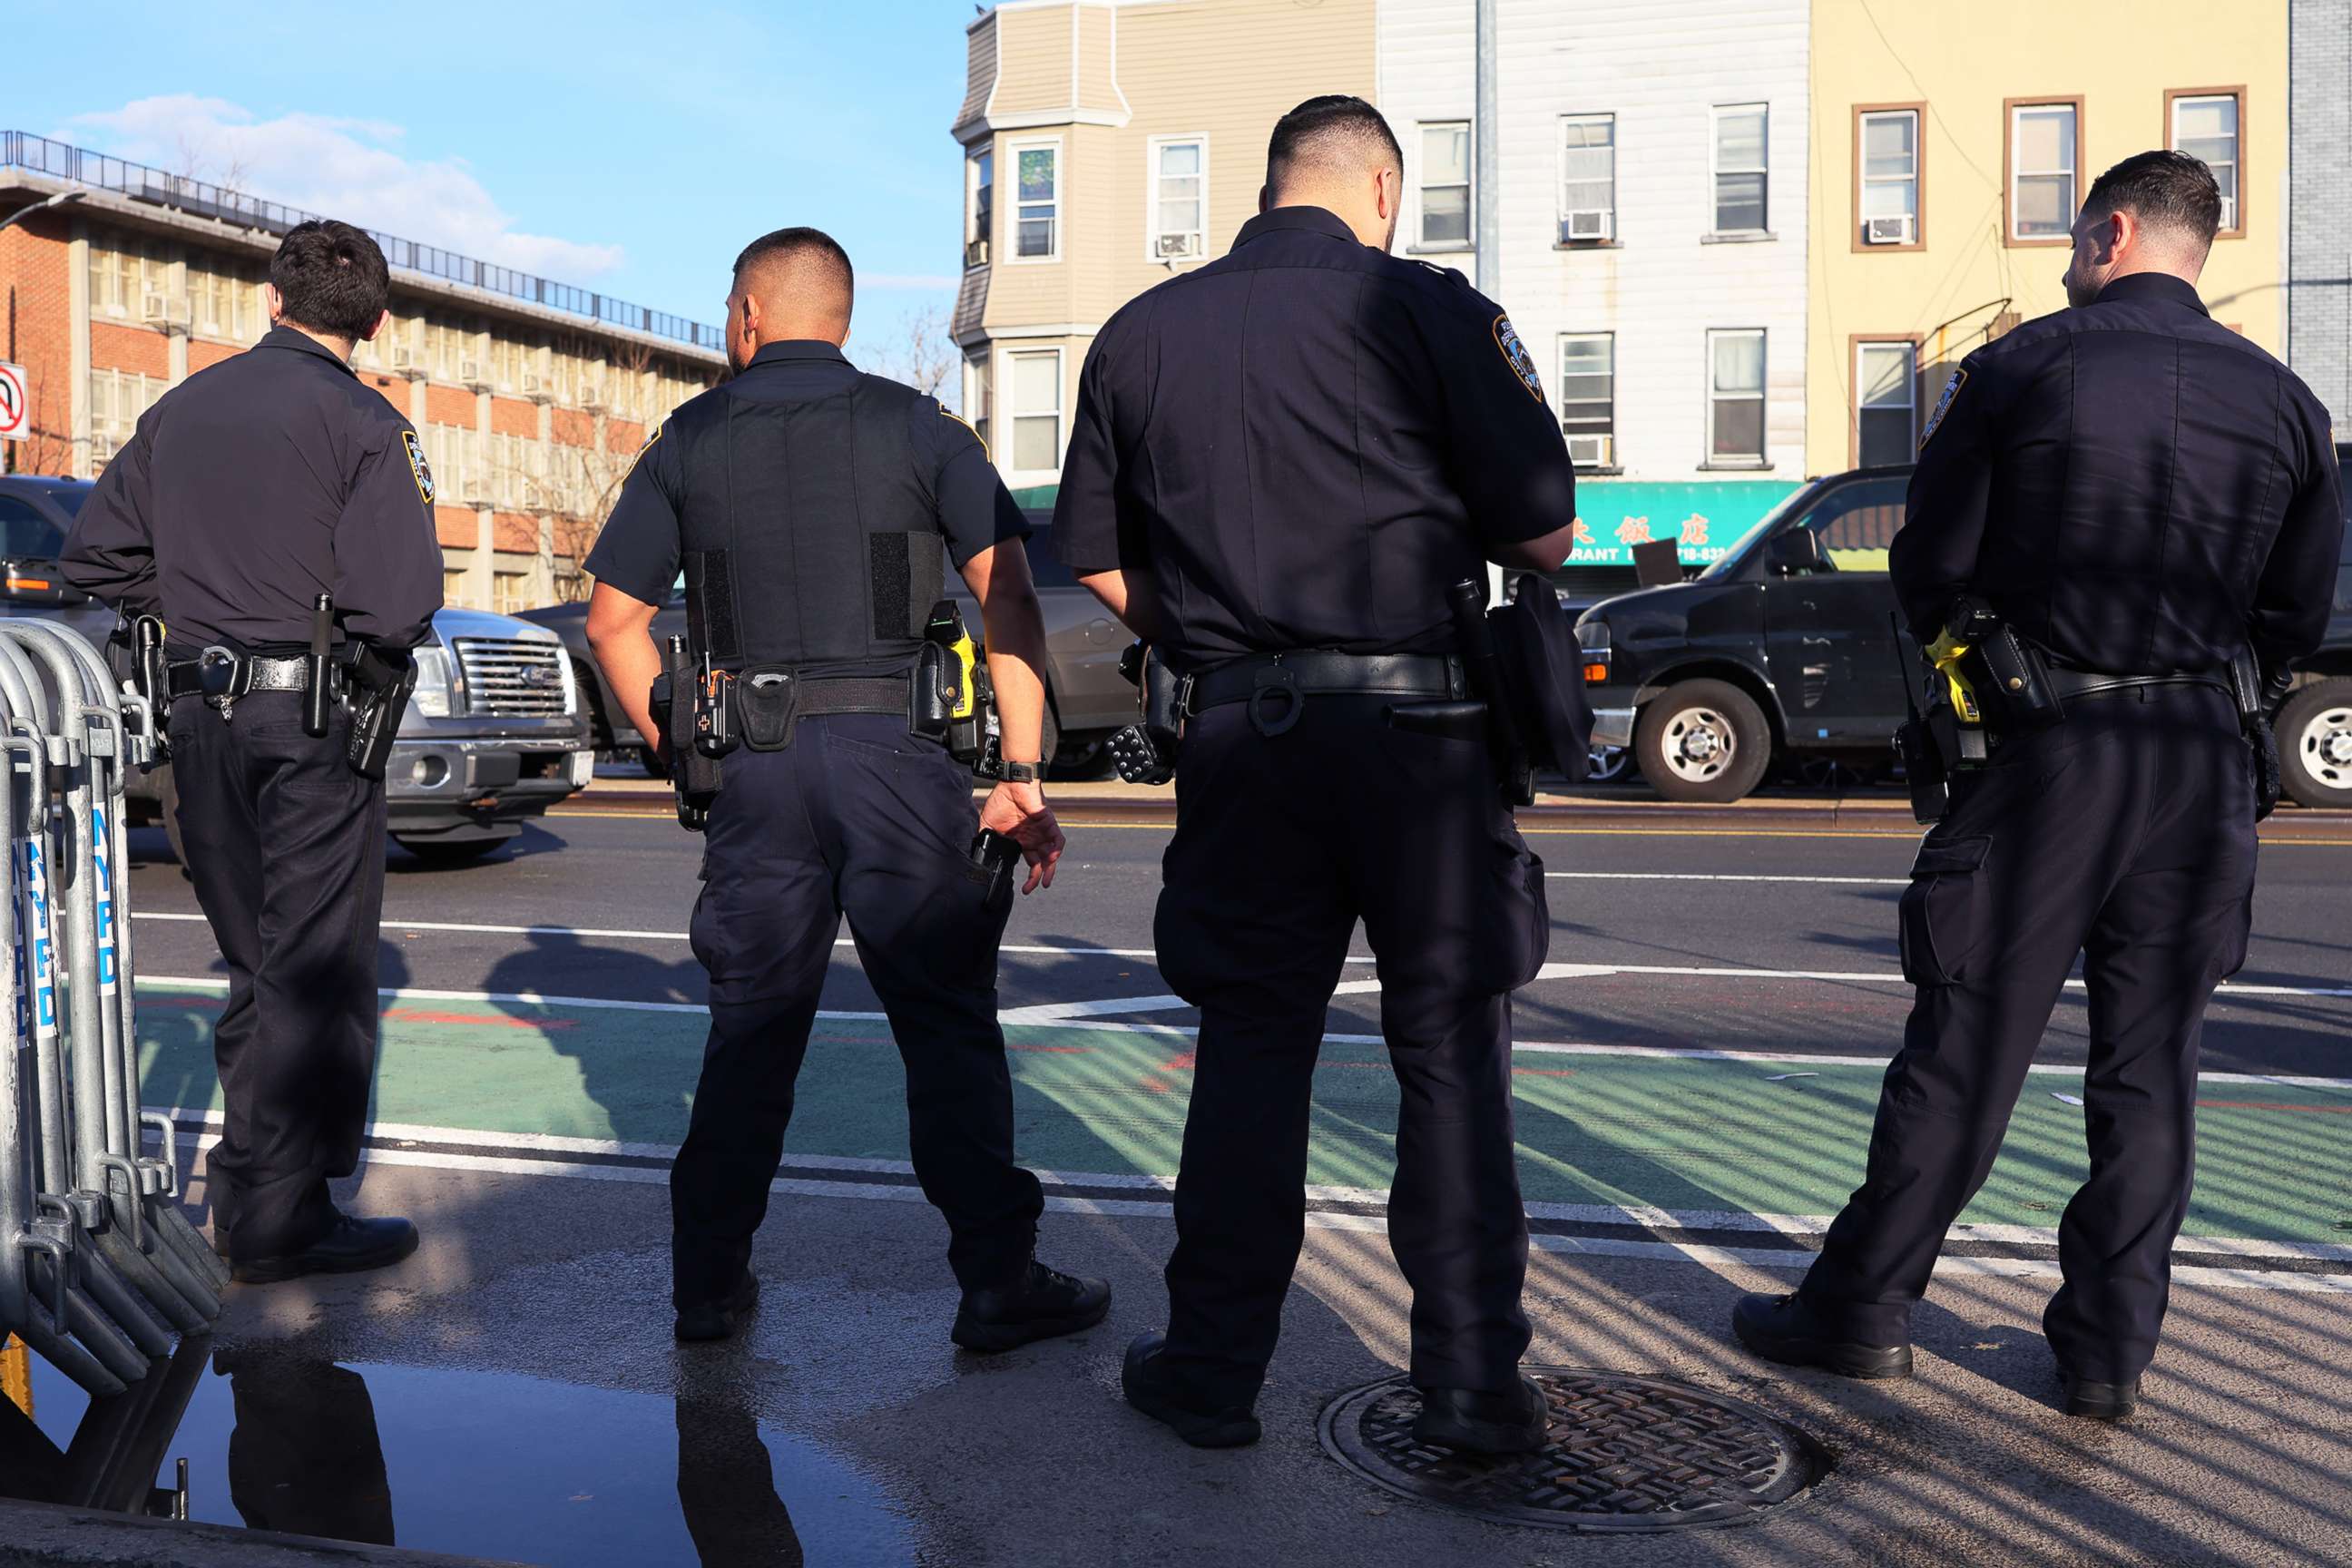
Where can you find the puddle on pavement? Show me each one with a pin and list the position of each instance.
(487, 1464)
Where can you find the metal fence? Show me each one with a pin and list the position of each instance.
(23, 150)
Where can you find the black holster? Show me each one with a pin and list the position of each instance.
(1145, 752)
(2247, 690)
(376, 687)
(694, 774)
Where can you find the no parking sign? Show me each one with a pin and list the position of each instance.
(14, 404)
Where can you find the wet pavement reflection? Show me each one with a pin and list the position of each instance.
(488, 1464)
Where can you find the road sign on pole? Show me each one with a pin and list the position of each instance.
(15, 404)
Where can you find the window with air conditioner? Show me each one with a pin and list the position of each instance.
(1036, 410)
(1886, 145)
(1587, 178)
(1179, 202)
(980, 201)
(2205, 125)
(1588, 398)
(1741, 168)
(2044, 150)
(1037, 202)
(1445, 186)
(1735, 397)
(1887, 402)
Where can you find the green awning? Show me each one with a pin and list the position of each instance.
(1707, 516)
(1035, 497)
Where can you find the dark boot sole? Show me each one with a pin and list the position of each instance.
(2101, 1409)
(277, 1270)
(704, 1327)
(1200, 1431)
(1480, 1436)
(993, 1338)
(1869, 1363)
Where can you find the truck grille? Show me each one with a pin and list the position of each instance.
(510, 679)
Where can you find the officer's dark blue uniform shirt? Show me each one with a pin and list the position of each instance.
(1306, 442)
(639, 550)
(2133, 486)
(254, 486)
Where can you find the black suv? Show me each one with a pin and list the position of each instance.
(1783, 650)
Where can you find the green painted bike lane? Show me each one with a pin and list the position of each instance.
(1686, 1135)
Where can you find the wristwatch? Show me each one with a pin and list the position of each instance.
(1003, 771)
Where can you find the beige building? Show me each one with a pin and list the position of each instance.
(1952, 146)
(1109, 144)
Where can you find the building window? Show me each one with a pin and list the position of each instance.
(1735, 402)
(453, 586)
(1036, 410)
(1887, 176)
(125, 278)
(1739, 168)
(117, 399)
(1885, 402)
(2044, 152)
(1445, 186)
(2205, 125)
(1588, 398)
(980, 174)
(455, 453)
(1037, 207)
(1587, 178)
(1180, 199)
(979, 389)
(510, 591)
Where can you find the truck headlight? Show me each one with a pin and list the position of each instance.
(434, 685)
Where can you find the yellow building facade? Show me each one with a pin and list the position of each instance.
(1952, 146)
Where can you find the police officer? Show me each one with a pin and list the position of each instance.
(247, 491)
(808, 504)
(1280, 462)
(2142, 494)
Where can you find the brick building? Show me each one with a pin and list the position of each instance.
(531, 396)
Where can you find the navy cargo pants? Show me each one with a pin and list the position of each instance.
(1282, 843)
(2125, 835)
(858, 817)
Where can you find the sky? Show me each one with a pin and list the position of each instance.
(631, 148)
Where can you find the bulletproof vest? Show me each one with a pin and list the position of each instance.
(808, 539)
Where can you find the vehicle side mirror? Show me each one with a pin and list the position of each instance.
(37, 582)
(1793, 552)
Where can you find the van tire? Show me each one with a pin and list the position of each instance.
(2312, 727)
(1703, 741)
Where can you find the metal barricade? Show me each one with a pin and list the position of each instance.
(98, 1265)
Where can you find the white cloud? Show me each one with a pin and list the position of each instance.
(349, 169)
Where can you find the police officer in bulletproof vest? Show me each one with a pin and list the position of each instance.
(808, 505)
(1281, 463)
(268, 510)
(2112, 505)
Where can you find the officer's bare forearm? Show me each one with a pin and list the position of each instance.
(620, 633)
(1014, 630)
(1129, 596)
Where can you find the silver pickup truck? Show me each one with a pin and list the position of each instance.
(495, 734)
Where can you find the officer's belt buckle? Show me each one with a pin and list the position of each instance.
(1275, 680)
(222, 676)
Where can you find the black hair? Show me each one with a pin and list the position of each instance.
(332, 279)
(1325, 130)
(799, 245)
(2164, 190)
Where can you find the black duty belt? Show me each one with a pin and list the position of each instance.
(1275, 686)
(242, 674)
(2070, 684)
(850, 694)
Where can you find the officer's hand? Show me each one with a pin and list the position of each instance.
(1019, 812)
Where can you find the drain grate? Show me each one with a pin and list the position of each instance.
(1625, 1454)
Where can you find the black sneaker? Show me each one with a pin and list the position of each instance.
(1039, 1304)
(719, 1320)
(350, 1246)
(1479, 1421)
(1151, 1390)
(1785, 1329)
(2097, 1401)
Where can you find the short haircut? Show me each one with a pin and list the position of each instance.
(1336, 133)
(807, 260)
(2166, 190)
(332, 279)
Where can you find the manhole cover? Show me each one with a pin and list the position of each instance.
(1625, 1454)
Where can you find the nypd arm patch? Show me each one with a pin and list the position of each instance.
(1516, 355)
(1943, 405)
(419, 468)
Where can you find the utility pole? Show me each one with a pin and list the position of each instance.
(1485, 196)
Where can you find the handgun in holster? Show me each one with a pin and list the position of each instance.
(2252, 694)
(1921, 743)
(376, 687)
(1145, 752)
(142, 641)
(701, 721)
(951, 698)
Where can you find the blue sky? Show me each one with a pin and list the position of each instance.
(630, 148)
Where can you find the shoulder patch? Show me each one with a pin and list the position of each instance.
(644, 446)
(419, 468)
(975, 432)
(1516, 355)
(1943, 405)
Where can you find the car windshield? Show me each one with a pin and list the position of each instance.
(1727, 563)
(69, 497)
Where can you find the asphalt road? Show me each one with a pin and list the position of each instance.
(540, 1037)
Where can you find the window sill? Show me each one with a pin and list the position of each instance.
(1612, 471)
(1441, 250)
(1757, 237)
(1588, 245)
(1737, 466)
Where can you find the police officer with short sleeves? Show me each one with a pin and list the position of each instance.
(249, 490)
(2140, 494)
(1280, 463)
(808, 504)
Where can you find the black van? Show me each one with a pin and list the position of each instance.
(1783, 650)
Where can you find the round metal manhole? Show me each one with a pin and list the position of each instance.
(1624, 1454)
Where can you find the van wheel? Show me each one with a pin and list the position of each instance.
(2315, 743)
(1703, 741)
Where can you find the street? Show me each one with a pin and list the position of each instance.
(1697, 1071)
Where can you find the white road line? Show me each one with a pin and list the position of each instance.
(1710, 877)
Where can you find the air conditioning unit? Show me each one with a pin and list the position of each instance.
(1592, 451)
(101, 451)
(469, 372)
(401, 356)
(533, 382)
(155, 310)
(476, 491)
(591, 397)
(975, 253)
(1175, 246)
(1889, 230)
(1587, 224)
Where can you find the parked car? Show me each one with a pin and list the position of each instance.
(1784, 651)
(494, 735)
(1081, 650)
